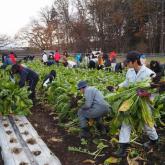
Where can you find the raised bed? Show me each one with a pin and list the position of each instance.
(21, 145)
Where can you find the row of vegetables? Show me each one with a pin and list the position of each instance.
(66, 99)
(13, 100)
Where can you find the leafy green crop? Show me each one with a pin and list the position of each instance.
(131, 109)
(13, 100)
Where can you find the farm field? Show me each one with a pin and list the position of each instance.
(58, 140)
(54, 116)
(82, 82)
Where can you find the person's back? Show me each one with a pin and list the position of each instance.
(78, 57)
(112, 56)
(6, 61)
(44, 58)
(95, 107)
(100, 60)
(86, 60)
(94, 97)
(12, 58)
(49, 78)
(4, 56)
(71, 64)
(26, 74)
(57, 56)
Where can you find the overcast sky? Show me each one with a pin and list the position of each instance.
(15, 14)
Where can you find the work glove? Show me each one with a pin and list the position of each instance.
(154, 85)
(155, 78)
(112, 88)
(160, 86)
(143, 93)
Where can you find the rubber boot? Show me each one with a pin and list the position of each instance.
(150, 144)
(122, 151)
(84, 133)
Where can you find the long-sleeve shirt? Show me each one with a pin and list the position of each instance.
(78, 57)
(57, 56)
(27, 74)
(45, 58)
(132, 77)
(48, 79)
(12, 58)
(93, 98)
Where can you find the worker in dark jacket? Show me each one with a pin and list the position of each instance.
(49, 78)
(6, 60)
(26, 75)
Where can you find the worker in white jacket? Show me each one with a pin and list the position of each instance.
(136, 73)
(44, 58)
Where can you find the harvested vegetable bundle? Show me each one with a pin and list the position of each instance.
(132, 105)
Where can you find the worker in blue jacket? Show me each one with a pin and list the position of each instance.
(26, 75)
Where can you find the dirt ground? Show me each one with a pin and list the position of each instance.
(58, 140)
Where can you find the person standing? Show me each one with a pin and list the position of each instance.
(6, 60)
(44, 58)
(78, 59)
(12, 57)
(57, 57)
(100, 62)
(136, 73)
(112, 56)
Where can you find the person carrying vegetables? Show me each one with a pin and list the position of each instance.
(95, 107)
(136, 73)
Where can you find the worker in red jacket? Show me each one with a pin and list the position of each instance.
(112, 56)
(57, 57)
(12, 57)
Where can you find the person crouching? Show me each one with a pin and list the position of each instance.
(49, 78)
(95, 107)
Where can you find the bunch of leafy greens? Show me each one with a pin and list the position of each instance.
(13, 99)
(132, 109)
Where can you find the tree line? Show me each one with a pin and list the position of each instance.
(78, 25)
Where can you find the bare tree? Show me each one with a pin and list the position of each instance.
(42, 33)
(5, 40)
(108, 24)
(162, 35)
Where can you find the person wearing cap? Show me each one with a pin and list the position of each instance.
(95, 107)
(26, 75)
(49, 78)
(136, 73)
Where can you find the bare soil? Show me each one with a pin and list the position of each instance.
(58, 140)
